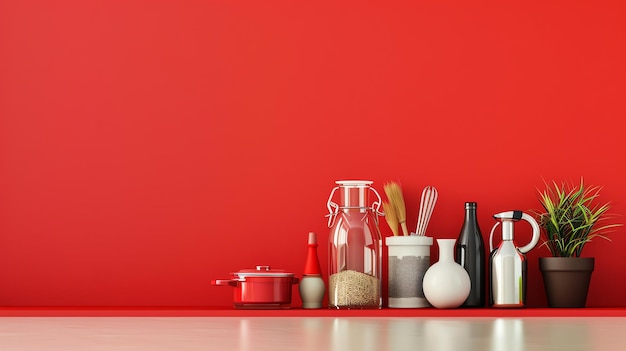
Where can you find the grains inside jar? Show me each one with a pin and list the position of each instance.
(352, 289)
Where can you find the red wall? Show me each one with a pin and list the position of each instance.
(147, 147)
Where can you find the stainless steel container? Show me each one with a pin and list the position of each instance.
(507, 263)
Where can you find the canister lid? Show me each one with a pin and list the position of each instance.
(263, 271)
(409, 240)
(354, 183)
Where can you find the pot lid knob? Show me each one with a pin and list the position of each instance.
(262, 268)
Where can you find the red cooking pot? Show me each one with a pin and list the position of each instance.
(261, 288)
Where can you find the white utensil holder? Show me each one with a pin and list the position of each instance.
(408, 261)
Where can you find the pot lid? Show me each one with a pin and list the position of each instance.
(263, 271)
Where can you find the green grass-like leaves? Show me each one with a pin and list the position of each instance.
(571, 218)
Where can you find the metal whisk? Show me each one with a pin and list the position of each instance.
(427, 204)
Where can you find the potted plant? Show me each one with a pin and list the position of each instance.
(570, 219)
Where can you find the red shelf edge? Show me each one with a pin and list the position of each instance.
(299, 312)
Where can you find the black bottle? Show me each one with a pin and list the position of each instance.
(470, 253)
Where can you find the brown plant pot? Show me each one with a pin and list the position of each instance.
(566, 280)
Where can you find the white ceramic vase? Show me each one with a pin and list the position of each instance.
(446, 283)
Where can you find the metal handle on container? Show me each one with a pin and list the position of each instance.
(376, 204)
(224, 282)
(536, 232)
(491, 236)
(333, 208)
(516, 216)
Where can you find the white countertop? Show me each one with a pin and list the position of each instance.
(310, 333)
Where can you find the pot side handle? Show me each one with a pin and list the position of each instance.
(295, 280)
(223, 282)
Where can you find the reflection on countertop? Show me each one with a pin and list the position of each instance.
(309, 333)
